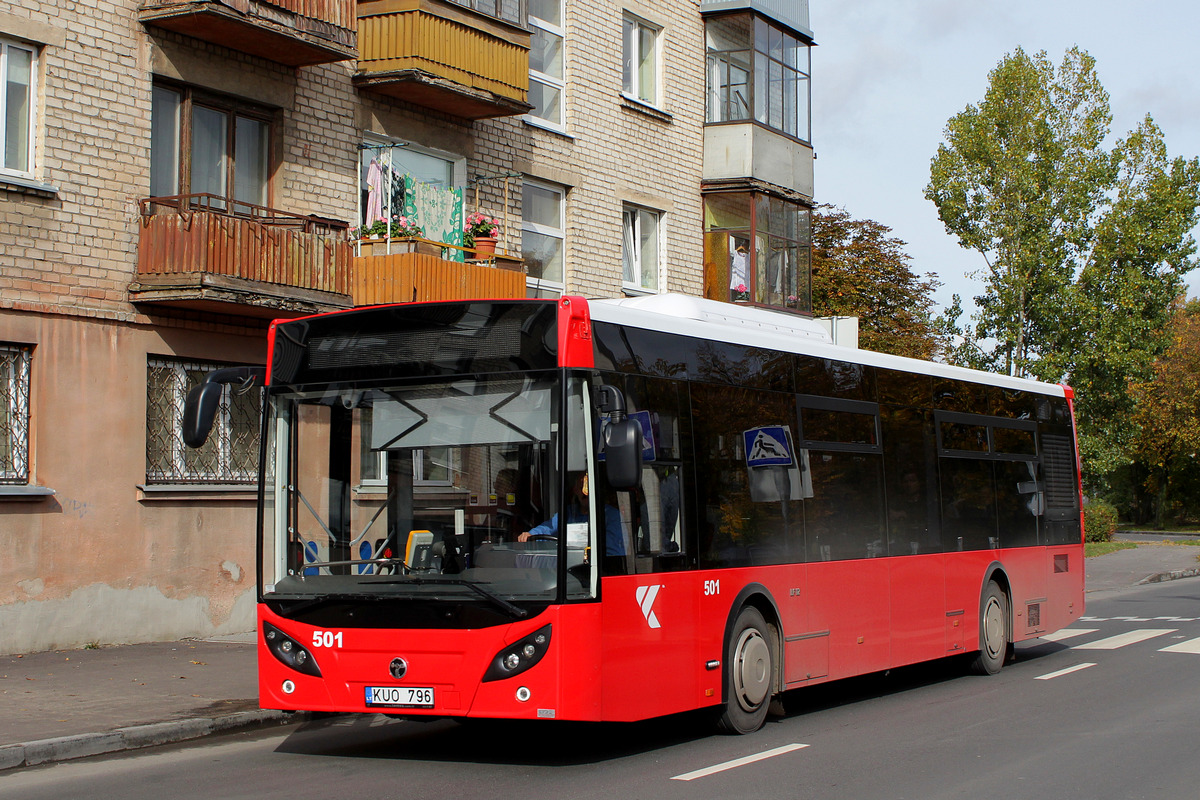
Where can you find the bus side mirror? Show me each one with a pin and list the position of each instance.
(200, 408)
(199, 412)
(623, 453)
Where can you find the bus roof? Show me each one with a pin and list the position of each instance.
(756, 327)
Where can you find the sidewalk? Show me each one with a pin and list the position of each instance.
(68, 704)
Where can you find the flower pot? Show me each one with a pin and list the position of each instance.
(485, 246)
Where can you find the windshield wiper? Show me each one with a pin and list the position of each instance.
(515, 610)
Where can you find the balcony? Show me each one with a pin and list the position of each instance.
(297, 33)
(195, 254)
(386, 275)
(445, 56)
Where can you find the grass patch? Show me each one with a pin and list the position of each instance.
(1093, 549)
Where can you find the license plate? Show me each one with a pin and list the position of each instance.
(400, 696)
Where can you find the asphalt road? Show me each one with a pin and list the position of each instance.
(1108, 711)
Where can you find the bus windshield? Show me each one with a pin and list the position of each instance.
(422, 490)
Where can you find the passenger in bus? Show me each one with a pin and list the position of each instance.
(576, 509)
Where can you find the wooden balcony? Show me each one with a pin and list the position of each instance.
(195, 254)
(297, 33)
(420, 276)
(445, 56)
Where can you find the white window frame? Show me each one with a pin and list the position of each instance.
(632, 57)
(633, 217)
(559, 83)
(6, 46)
(15, 394)
(181, 473)
(542, 285)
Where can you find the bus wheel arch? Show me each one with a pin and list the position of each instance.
(995, 623)
(752, 667)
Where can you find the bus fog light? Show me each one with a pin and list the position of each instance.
(523, 694)
(288, 687)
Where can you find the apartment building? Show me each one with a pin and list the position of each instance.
(177, 173)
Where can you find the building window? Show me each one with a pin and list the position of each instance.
(203, 144)
(640, 55)
(546, 77)
(383, 165)
(542, 236)
(231, 453)
(14, 413)
(757, 71)
(18, 107)
(757, 250)
(640, 249)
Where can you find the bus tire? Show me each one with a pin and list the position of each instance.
(749, 674)
(993, 631)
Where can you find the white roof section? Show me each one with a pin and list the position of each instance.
(756, 327)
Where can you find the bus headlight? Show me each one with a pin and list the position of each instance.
(289, 652)
(519, 656)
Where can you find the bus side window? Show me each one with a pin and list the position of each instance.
(653, 513)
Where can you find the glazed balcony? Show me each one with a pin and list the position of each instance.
(413, 270)
(194, 253)
(466, 58)
(297, 33)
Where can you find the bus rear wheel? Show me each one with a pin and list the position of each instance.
(993, 631)
(749, 674)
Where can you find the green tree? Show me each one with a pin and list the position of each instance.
(1084, 248)
(1017, 181)
(860, 270)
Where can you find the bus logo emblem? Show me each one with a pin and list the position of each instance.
(646, 596)
(398, 668)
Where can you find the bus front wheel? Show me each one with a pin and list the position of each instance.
(749, 674)
(993, 631)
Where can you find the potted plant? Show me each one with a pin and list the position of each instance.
(375, 230)
(479, 232)
(404, 228)
(741, 293)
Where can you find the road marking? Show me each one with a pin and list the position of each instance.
(1066, 633)
(1190, 646)
(738, 762)
(1061, 672)
(1124, 639)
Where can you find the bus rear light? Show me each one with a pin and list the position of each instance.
(289, 652)
(519, 656)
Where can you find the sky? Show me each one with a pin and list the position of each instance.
(889, 74)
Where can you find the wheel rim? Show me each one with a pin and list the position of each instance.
(993, 628)
(751, 669)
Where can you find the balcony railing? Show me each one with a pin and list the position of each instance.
(446, 55)
(422, 276)
(293, 32)
(202, 251)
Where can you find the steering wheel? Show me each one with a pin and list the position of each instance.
(543, 537)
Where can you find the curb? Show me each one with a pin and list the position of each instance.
(1171, 576)
(65, 748)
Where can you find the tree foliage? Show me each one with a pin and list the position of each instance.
(1084, 248)
(1166, 421)
(860, 270)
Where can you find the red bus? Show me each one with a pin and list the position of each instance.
(620, 509)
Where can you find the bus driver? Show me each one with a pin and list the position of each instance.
(577, 511)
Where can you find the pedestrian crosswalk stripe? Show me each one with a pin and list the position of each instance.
(1061, 672)
(1123, 639)
(1067, 633)
(1190, 646)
